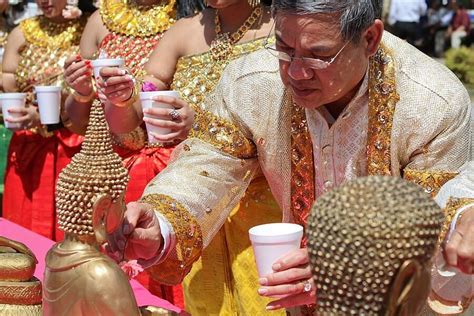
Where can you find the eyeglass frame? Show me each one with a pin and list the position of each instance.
(321, 64)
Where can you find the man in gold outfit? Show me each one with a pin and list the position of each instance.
(336, 99)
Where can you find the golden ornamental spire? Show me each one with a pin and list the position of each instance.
(96, 170)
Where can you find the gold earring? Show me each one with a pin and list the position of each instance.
(254, 3)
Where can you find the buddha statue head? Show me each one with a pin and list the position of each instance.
(90, 190)
(371, 242)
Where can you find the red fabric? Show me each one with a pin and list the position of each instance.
(462, 19)
(33, 166)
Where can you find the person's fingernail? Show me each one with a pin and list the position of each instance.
(130, 77)
(121, 244)
(126, 229)
(262, 291)
(87, 62)
(263, 281)
(276, 267)
(122, 72)
(271, 307)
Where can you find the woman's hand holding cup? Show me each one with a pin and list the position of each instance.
(78, 75)
(115, 85)
(167, 117)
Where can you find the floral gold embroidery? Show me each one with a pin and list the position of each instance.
(430, 181)
(223, 135)
(302, 167)
(382, 100)
(188, 240)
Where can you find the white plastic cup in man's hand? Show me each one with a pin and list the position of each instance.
(12, 101)
(270, 242)
(147, 102)
(49, 103)
(98, 64)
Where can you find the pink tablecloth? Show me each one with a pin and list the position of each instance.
(40, 246)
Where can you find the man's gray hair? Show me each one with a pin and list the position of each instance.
(355, 15)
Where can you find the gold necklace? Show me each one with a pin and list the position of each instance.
(135, 20)
(42, 32)
(222, 45)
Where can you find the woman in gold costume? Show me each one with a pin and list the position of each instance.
(34, 55)
(127, 29)
(190, 59)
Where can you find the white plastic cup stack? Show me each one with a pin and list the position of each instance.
(270, 242)
(147, 102)
(49, 103)
(11, 101)
(98, 64)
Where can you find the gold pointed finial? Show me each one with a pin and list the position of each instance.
(94, 171)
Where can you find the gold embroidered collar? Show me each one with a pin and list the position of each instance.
(130, 19)
(42, 32)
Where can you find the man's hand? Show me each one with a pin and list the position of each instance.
(459, 250)
(292, 282)
(140, 234)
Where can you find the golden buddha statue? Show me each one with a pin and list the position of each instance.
(371, 244)
(20, 291)
(79, 279)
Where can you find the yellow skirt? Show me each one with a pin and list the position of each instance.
(225, 281)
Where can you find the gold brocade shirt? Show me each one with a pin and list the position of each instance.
(417, 128)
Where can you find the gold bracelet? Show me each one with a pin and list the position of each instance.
(131, 100)
(83, 98)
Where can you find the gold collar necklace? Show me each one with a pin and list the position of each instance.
(221, 46)
(123, 17)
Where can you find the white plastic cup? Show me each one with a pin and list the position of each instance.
(147, 102)
(98, 64)
(270, 242)
(11, 101)
(49, 103)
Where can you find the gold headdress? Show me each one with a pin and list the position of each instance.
(360, 235)
(96, 170)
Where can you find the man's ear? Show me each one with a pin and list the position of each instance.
(372, 37)
(99, 214)
(403, 287)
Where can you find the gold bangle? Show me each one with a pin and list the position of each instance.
(84, 98)
(131, 100)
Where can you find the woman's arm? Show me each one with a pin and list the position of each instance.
(78, 74)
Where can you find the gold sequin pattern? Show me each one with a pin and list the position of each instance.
(360, 234)
(96, 170)
(188, 239)
(128, 18)
(302, 167)
(430, 181)
(42, 32)
(383, 98)
(197, 75)
(42, 59)
(21, 310)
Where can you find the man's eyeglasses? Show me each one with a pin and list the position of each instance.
(313, 63)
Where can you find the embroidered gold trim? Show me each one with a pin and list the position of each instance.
(221, 134)
(453, 205)
(430, 181)
(302, 167)
(122, 17)
(42, 32)
(382, 100)
(188, 240)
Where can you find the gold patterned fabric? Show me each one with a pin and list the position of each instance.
(430, 131)
(221, 286)
(47, 47)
